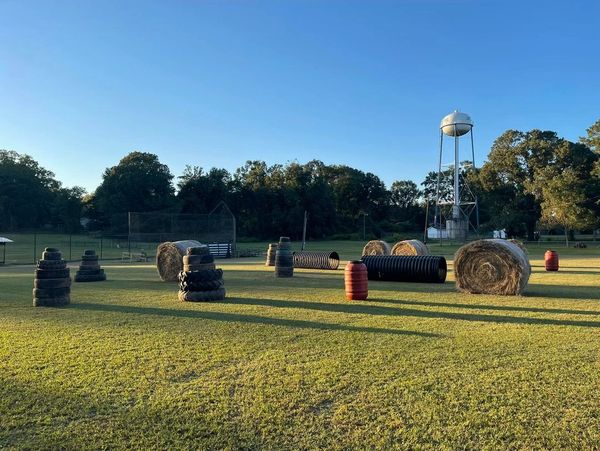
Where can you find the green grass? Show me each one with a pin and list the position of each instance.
(292, 364)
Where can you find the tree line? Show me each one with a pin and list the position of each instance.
(530, 180)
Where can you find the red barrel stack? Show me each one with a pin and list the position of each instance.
(551, 260)
(356, 281)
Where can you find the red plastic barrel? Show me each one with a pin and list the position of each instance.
(551, 260)
(355, 279)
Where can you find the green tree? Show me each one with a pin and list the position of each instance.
(512, 184)
(592, 138)
(140, 182)
(404, 193)
(507, 176)
(563, 202)
(200, 192)
(30, 196)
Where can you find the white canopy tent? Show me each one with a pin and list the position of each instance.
(3, 241)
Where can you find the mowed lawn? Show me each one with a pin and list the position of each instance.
(289, 363)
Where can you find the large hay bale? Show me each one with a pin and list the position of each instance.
(169, 258)
(376, 247)
(410, 247)
(491, 267)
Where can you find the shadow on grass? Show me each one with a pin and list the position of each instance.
(585, 273)
(237, 317)
(369, 309)
(506, 308)
(577, 292)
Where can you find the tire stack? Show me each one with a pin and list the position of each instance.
(200, 281)
(89, 270)
(271, 254)
(52, 283)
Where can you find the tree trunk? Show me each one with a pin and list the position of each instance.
(567, 236)
(530, 231)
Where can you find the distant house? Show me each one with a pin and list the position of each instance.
(499, 234)
(434, 232)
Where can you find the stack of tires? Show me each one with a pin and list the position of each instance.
(200, 280)
(89, 270)
(52, 283)
(271, 254)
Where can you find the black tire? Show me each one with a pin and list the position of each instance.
(51, 292)
(89, 267)
(202, 267)
(89, 252)
(52, 283)
(52, 273)
(52, 302)
(91, 278)
(199, 250)
(89, 258)
(202, 296)
(200, 276)
(197, 259)
(90, 273)
(51, 255)
(201, 286)
(52, 264)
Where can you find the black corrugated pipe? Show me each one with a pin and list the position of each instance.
(404, 268)
(316, 260)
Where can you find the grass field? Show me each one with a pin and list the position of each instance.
(291, 364)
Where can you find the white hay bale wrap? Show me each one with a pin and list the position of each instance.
(169, 258)
(493, 266)
(376, 247)
(410, 247)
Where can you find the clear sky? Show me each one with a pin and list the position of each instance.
(215, 83)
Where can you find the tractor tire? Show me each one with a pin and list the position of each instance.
(52, 273)
(52, 302)
(202, 296)
(51, 292)
(200, 276)
(52, 283)
(208, 285)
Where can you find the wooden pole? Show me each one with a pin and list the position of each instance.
(304, 230)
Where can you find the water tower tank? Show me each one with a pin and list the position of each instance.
(456, 124)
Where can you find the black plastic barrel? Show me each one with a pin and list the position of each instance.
(404, 268)
(316, 260)
(284, 260)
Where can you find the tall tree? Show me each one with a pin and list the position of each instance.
(520, 166)
(564, 202)
(30, 196)
(592, 138)
(404, 193)
(140, 182)
(199, 191)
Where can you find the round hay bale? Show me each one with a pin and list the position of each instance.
(376, 247)
(491, 267)
(410, 247)
(169, 258)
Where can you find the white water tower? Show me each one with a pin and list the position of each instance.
(457, 210)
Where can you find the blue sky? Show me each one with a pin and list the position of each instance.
(215, 83)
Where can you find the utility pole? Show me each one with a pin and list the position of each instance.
(304, 229)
